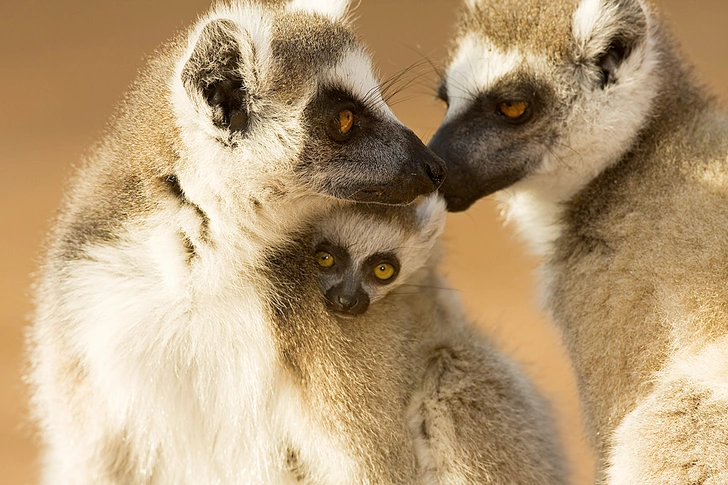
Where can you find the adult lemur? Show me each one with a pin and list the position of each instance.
(158, 352)
(613, 161)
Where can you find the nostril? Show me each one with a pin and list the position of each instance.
(436, 174)
(347, 303)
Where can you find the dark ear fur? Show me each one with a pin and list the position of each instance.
(213, 72)
(625, 30)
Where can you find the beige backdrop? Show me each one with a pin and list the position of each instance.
(63, 65)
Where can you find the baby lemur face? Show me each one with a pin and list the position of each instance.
(364, 252)
(550, 104)
(350, 284)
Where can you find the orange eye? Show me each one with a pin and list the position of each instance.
(513, 110)
(346, 121)
(325, 259)
(384, 271)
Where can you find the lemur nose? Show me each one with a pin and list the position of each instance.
(436, 172)
(347, 303)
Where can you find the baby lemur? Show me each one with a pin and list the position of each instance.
(473, 416)
(613, 161)
(159, 353)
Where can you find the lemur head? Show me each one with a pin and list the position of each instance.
(363, 252)
(280, 100)
(545, 94)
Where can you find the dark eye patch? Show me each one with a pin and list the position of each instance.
(326, 111)
(377, 259)
(340, 254)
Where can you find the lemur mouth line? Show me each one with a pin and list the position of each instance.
(342, 314)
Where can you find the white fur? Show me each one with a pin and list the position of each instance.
(355, 72)
(476, 67)
(705, 369)
(334, 9)
(588, 16)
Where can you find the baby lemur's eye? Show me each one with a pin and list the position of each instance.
(325, 259)
(384, 271)
(513, 110)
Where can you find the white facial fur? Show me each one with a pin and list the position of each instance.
(334, 9)
(477, 65)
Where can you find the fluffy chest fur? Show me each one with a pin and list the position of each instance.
(184, 363)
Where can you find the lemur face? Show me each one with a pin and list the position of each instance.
(363, 252)
(288, 96)
(543, 93)
(350, 283)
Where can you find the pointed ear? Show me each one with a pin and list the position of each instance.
(606, 33)
(213, 76)
(431, 218)
(334, 9)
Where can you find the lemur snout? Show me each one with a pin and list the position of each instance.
(417, 171)
(347, 301)
(476, 165)
(424, 173)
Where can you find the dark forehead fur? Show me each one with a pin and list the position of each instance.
(304, 42)
(539, 26)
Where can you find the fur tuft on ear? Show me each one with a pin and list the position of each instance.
(212, 76)
(334, 9)
(606, 32)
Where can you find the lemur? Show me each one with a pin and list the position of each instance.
(158, 352)
(613, 161)
(473, 415)
(364, 252)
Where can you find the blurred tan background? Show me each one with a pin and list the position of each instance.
(63, 66)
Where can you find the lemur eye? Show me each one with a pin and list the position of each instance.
(384, 271)
(325, 259)
(513, 110)
(341, 125)
(346, 121)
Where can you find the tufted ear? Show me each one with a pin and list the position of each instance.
(606, 33)
(213, 76)
(334, 9)
(431, 218)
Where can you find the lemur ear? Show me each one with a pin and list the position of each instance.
(431, 217)
(334, 9)
(606, 33)
(213, 76)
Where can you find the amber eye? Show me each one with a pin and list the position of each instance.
(513, 109)
(325, 259)
(346, 121)
(384, 271)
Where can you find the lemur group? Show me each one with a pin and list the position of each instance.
(237, 288)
